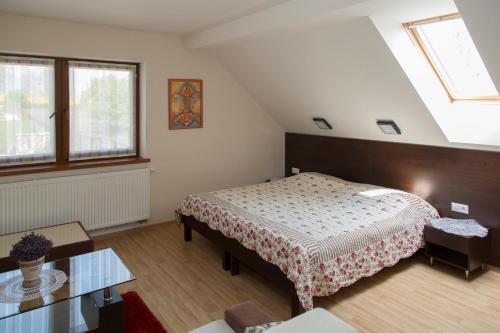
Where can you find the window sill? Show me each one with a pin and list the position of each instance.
(52, 167)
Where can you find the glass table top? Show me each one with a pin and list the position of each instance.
(85, 274)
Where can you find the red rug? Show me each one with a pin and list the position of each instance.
(137, 317)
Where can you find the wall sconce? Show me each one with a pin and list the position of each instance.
(388, 127)
(322, 123)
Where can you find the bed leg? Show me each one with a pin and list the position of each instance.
(296, 306)
(188, 234)
(226, 261)
(235, 266)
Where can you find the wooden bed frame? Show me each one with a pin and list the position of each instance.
(459, 175)
(233, 253)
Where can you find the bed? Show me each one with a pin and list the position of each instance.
(317, 233)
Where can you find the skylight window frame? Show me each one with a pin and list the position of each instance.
(410, 28)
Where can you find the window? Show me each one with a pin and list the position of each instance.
(102, 109)
(451, 52)
(63, 111)
(27, 102)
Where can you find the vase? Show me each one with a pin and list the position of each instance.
(30, 305)
(31, 271)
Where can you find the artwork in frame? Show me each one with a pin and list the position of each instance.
(185, 99)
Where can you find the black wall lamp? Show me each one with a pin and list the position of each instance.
(322, 123)
(388, 127)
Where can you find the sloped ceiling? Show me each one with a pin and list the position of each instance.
(469, 122)
(343, 71)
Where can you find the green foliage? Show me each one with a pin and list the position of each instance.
(108, 100)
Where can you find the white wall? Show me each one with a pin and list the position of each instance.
(239, 144)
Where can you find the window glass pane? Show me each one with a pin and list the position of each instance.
(457, 60)
(27, 133)
(102, 109)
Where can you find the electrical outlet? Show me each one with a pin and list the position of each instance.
(295, 171)
(460, 208)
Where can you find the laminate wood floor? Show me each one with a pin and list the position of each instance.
(185, 286)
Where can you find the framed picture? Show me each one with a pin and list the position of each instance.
(185, 99)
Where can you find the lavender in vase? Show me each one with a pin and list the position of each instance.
(30, 253)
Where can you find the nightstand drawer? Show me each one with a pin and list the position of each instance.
(450, 241)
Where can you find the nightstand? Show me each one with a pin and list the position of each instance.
(465, 252)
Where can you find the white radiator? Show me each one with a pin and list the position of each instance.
(97, 200)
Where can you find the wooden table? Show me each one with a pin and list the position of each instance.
(69, 239)
(465, 252)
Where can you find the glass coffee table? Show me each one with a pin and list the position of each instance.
(77, 294)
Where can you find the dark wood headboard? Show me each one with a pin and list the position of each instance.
(439, 175)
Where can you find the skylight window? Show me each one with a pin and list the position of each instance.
(450, 50)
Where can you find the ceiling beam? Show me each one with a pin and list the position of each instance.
(282, 16)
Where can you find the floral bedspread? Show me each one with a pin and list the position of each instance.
(323, 232)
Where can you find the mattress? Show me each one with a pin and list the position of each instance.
(323, 232)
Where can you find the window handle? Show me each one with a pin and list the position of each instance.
(66, 111)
